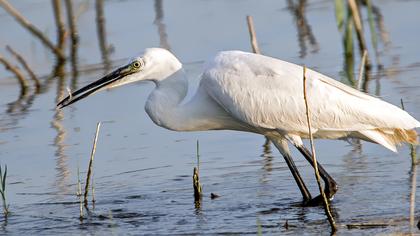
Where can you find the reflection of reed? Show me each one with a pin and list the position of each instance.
(163, 37)
(27, 68)
(63, 173)
(267, 161)
(100, 24)
(413, 180)
(74, 42)
(19, 76)
(304, 29)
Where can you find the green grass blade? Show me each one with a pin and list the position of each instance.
(339, 14)
(1, 175)
(4, 178)
(348, 37)
(372, 25)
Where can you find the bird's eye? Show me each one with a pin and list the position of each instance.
(136, 64)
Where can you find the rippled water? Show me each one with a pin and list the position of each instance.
(142, 173)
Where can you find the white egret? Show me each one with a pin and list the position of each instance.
(259, 94)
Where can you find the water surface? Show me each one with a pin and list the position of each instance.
(142, 173)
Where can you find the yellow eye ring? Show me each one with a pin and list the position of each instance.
(136, 64)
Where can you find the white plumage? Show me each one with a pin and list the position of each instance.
(268, 93)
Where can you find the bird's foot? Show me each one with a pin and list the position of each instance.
(318, 201)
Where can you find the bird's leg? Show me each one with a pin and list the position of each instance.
(299, 181)
(282, 146)
(331, 186)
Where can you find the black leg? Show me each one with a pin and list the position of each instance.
(331, 186)
(299, 181)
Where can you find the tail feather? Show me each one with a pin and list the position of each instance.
(402, 135)
(390, 138)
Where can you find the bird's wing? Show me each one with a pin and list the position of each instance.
(268, 93)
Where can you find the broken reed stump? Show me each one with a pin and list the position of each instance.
(196, 185)
(89, 172)
(25, 65)
(196, 179)
(317, 176)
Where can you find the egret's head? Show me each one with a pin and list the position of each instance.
(154, 64)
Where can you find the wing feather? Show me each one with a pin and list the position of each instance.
(268, 93)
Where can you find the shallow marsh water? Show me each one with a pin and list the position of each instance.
(142, 173)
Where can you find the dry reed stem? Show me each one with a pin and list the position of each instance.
(89, 173)
(79, 194)
(256, 50)
(61, 29)
(318, 177)
(361, 70)
(3, 190)
(196, 185)
(22, 81)
(252, 35)
(196, 177)
(358, 27)
(413, 177)
(29, 26)
(26, 66)
(413, 153)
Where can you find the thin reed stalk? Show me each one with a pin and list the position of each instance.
(252, 35)
(318, 177)
(361, 70)
(358, 24)
(413, 177)
(79, 194)
(61, 29)
(26, 66)
(413, 153)
(90, 168)
(3, 190)
(30, 27)
(256, 50)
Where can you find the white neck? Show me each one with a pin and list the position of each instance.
(163, 104)
(167, 108)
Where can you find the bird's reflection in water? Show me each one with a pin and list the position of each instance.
(267, 162)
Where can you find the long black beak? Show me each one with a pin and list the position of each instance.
(95, 86)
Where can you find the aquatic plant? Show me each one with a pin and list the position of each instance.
(3, 190)
(196, 178)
